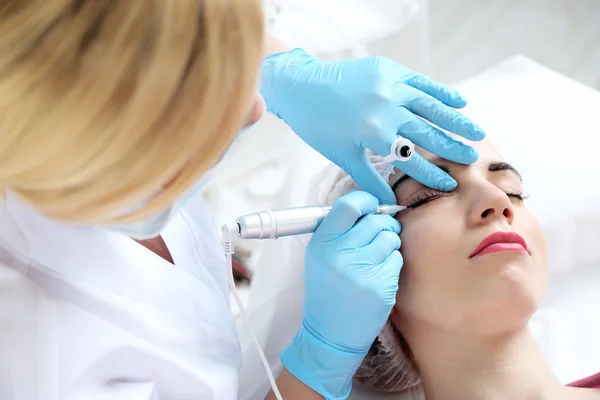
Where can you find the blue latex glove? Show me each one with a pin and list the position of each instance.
(341, 108)
(350, 284)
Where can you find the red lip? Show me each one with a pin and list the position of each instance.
(500, 241)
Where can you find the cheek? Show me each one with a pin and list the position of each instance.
(257, 111)
(429, 248)
(538, 238)
(536, 242)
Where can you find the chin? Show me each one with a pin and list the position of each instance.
(509, 299)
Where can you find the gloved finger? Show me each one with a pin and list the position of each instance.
(427, 173)
(368, 179)
(443, 93)
(382, 247)
(435, 140)
(391, 267)
(445, 117)
(345, 212)
(369, 226)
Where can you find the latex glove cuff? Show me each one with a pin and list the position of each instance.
(325, 369)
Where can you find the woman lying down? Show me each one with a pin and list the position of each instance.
(459, 329)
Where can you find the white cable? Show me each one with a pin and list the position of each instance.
(228, 233)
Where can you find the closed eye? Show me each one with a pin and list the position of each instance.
(425, 197)
(428, 195)
(517, 195)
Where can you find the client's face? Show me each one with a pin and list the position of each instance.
(474, 258)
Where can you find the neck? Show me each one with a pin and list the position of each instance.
(455, 365)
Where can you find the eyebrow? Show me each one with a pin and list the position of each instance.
(503, 166)
(492, 167)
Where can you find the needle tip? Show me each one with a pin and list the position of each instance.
(390, 209)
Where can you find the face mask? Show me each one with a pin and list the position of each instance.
(153, 225)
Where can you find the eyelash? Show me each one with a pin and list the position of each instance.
(429, 195)
(517, 195)
(425, 197)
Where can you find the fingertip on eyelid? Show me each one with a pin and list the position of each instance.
(447, 184)
(470, 154)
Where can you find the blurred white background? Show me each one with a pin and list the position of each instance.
(451, 39)
(468, 36)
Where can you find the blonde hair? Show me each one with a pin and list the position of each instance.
(106, 104)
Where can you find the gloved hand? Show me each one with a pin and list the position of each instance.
(350, 284)
(341, 108)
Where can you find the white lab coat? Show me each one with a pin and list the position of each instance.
(88, 314)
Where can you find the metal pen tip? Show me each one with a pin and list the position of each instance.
(390, 209)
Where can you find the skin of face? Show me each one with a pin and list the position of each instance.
(440, 285)
(257, 111)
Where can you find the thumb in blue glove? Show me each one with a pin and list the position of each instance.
(351, 279)
(342, 108)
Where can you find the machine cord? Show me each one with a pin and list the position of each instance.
(228, 234)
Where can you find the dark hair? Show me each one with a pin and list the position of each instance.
(389, 365)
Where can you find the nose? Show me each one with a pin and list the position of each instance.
(491, 205)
